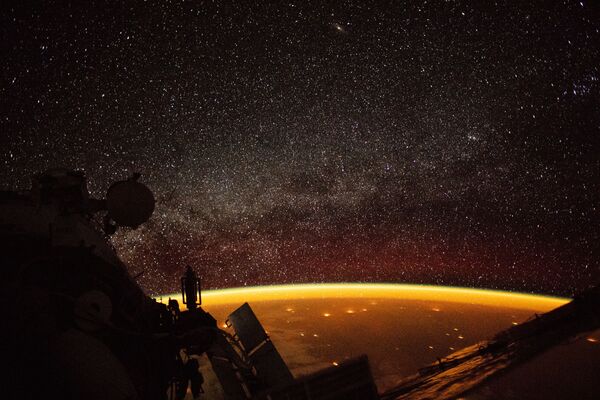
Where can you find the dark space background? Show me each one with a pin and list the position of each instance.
(441, 142)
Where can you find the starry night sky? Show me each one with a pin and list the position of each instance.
(442, 142)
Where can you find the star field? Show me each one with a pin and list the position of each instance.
(448, 142)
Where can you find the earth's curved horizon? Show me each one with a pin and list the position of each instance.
(456, 294)
(400, 327)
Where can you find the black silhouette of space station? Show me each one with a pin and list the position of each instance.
(76, 325)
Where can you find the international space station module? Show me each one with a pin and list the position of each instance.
(76, 325)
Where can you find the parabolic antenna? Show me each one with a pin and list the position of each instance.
(129, 203)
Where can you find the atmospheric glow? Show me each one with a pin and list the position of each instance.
(381, 291)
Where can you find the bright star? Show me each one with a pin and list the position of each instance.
(339, 27)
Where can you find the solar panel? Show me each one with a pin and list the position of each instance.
(351, 380)
(270, 367)
(247, 327)
(225, 370)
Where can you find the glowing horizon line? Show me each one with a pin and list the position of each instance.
(395, 291)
